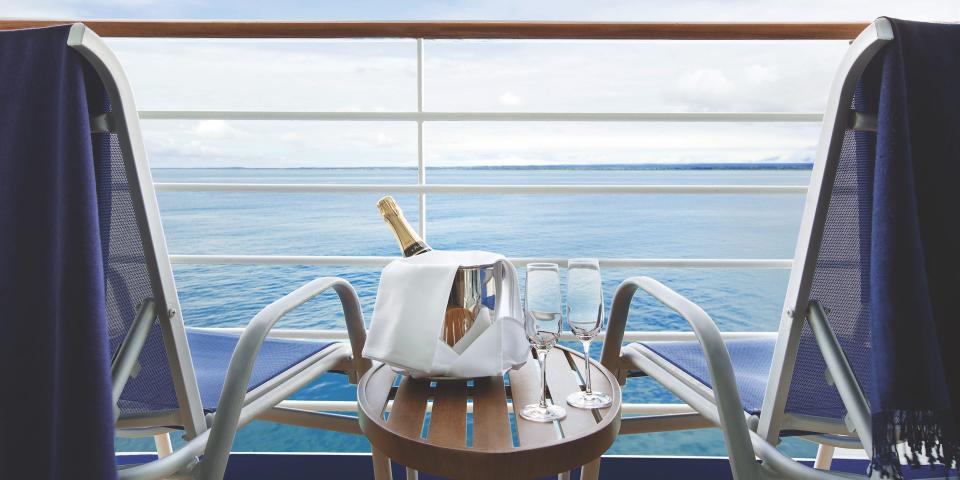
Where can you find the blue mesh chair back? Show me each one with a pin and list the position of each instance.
(841, 275)
(169, 380)
(127, 273)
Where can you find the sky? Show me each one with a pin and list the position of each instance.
(527, 76)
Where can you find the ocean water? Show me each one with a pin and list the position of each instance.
(563, 226)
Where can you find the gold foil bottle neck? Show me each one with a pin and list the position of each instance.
(388, 206)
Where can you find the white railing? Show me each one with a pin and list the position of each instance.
(467, 189)
(380, 261)
(421, 116)
(422, 188)
(337, 334)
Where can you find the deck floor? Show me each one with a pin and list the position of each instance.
(296, 466)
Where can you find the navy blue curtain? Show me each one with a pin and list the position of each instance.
(915, 252)
(56, 420)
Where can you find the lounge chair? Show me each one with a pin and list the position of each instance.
(167, 377)
(807, 380)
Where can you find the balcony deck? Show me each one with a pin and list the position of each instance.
(303, 465)
(297, 466)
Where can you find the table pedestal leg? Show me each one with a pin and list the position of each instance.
(824, 457)
(164, 446)
(381, 466)
(591, 471)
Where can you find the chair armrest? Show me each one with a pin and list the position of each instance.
(616, 326)
(729, 407)
(779, 465)
(241, 363)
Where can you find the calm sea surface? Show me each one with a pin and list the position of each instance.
(563, 226)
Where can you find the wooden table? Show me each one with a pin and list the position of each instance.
(500, 443)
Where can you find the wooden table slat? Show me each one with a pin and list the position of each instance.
(378, 390)
(409, 407)
(448, 420)
(525, 389)
(491, 425)
(562, 382)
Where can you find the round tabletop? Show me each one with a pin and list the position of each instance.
(397, 415)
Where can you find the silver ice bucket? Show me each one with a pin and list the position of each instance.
(474, 289)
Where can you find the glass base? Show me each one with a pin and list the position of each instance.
(593, 400)
(535, 413)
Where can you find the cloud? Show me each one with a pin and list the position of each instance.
(393, 144)
(324, 75)
(639, 76)
(38, 9)
(476, 76)
(384, 140)
(543, 76)
(215, 129)
(510, 99)
(704, 86)
(603, 142)
(220, 143)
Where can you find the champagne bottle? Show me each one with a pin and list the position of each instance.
(410, 242)
(457, 319)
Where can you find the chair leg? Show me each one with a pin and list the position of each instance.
(824, 457)
(564, 475)
(591, 471)
(164, 445)
(412, 474)
(381, 466)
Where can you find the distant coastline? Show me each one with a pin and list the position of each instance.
(610, 166)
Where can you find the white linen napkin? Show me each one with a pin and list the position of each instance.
(409, 311)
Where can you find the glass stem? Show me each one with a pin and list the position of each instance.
(542, 357)
(586, 365)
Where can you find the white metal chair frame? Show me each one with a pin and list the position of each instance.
(210, 436)
(748, 437)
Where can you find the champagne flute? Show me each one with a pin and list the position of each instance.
(585, 317)
(543, 314)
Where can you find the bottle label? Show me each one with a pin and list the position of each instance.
(415, 248)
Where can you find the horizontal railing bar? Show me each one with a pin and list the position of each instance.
(485, 116)
(460, 30)
(482, 189)
(356, 261)
(632, 336)
(380, 261)
(351, 406)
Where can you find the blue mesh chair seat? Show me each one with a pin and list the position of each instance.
(212, 352)
(750, 358)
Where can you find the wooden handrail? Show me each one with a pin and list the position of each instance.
(459, 30)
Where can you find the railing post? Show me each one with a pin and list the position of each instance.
(421, 169)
